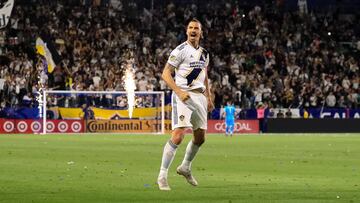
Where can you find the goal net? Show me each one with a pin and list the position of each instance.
(102, 112)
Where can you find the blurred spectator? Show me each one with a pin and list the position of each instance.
(288, 113)
(280, 114)
(330, 100)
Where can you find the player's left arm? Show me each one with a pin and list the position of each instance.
(208, 93)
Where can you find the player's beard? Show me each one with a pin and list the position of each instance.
(194, 40)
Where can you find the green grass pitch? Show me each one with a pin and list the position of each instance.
(124, 168)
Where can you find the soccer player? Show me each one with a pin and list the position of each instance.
(191, 100)
(229, 112)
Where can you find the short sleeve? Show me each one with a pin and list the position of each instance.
(175, 58)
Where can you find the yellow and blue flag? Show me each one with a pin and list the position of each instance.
(46, 48)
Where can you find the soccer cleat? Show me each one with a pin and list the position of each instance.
(163, 184)
(187, 174)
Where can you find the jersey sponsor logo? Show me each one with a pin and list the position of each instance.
(197, 64)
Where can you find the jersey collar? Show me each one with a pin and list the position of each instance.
(192, 45)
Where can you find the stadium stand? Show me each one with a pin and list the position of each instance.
(260, 54)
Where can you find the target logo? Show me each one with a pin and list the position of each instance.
(22, 126)
(63, 126)
(8, 126)
(76, 126)
(35, 126)
(50, 126)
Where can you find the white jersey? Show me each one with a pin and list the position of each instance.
(190, 66)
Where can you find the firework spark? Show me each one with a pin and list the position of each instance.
(130, 86)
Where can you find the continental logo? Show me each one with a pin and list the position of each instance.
(126, 126)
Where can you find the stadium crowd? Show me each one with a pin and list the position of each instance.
(258, 55)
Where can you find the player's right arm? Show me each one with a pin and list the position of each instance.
(167, 77)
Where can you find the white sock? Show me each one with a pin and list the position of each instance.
(190, 153)
(167, 157)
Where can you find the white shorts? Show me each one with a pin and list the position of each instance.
(191, 113)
